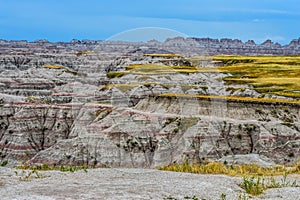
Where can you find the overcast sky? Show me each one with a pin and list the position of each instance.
(63, 20)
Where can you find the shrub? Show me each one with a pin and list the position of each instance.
(3, 163)
(239, 136)
(253, 185)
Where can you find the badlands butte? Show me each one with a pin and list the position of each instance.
(121, 104)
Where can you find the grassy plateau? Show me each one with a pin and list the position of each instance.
(273, 75)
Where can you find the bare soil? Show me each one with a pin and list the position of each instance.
(127, 184)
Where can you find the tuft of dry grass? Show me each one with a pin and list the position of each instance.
(233, 170)
(122, 87)
(75, 73)
(233, 98)
(115, 74)
(152, 69)
(162, 55)
(53, 67)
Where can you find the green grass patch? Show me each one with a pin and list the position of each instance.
(256, 185)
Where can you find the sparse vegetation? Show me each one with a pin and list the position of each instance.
(62, 168)
(28, 175)
(243, 196)
(73, 168)
(103, 112)
(233, 170)
(223, 196)
(75, 73)
(149, 69)
(53, 67)
(43, 167)
(186, 197)
(145, 78)
(233, 98)
(257, 185)
(115, 74)
(34, 99)
(122, 87)
(268, 75)
(80, 53)
(255, 180)
(3, 163)
(162, 55)
(253, 185)
(274, 75)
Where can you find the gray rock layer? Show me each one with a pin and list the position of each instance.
(58, 105)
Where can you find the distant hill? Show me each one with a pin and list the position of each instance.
(186, 46)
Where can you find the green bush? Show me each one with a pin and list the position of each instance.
(3, 163)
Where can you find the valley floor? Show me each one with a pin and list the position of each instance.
(119, 183)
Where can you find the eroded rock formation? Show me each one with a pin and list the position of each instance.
(77, 103)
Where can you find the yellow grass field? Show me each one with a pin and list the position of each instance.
(268, 75)
(279, 75)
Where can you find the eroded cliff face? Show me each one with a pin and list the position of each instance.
(78, 107)
(160, 131)
(28, 128)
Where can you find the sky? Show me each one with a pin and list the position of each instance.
(137, 20)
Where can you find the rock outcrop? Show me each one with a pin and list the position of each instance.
(78, 103)
(157, 131)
